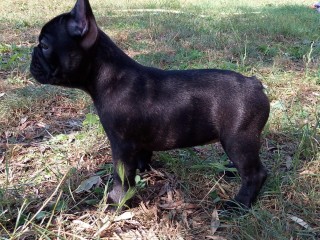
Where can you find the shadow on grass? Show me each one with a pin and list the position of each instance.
(171, 41)
(251, 35)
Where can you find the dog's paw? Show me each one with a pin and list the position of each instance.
(119, 200)
(232, 208)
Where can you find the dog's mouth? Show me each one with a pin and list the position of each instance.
(43, 71)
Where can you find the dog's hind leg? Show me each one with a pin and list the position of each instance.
(144, 159)
(243, 150)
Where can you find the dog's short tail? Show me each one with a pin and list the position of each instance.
(258, 82)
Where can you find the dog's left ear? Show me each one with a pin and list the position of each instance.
(83, 24)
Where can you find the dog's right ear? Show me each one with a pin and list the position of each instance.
(83, 24)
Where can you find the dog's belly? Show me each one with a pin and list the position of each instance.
(172, 138)
(163, 127)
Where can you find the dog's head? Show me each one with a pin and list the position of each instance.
(65, 42)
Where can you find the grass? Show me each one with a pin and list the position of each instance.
(51, 140)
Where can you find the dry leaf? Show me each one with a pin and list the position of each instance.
(288, 162)
(164, 189)
(82, 225)
(215, 238)
(41, 124)
(172, 205)
(300, 222)
(23, 120)
(170, 195)
(215, 222)
(104, 227)
(190, 206)
(157, 172)
(143, 206)
(124, 216)
(87, 184)
(307, 172)
(185, 219)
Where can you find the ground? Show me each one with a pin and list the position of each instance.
(55, 161)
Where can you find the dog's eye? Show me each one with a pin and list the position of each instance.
(43, 46)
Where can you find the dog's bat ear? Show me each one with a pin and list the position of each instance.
(83, 24)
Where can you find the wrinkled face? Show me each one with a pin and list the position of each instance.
(58, 59)
(62, 55)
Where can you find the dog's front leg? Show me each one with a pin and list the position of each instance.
(126, 159)
(124, 171)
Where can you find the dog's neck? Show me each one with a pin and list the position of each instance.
(110, 52)
(108, 64)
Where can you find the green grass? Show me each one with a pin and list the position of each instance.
(51, 139)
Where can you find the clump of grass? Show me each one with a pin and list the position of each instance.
(13, 56)
(22, 102)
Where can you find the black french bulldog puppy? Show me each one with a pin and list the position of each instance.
(144, 109)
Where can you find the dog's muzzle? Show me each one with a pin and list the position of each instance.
(41, 70)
